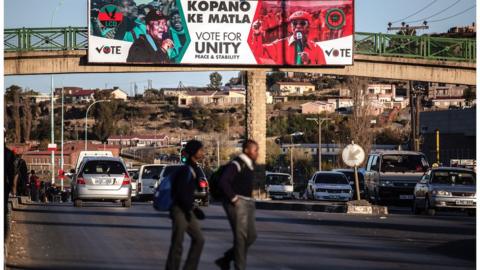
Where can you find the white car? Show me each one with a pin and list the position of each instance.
(148, 177)
(329, 186)
(279, 185)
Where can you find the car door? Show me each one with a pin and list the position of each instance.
(421, 189)
(150, 176)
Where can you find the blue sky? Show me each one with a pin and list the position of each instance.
(371, 16)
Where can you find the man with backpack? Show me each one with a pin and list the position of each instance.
(236, 185)
(184, 213)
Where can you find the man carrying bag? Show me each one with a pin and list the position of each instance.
(184, 214)
(236, 185)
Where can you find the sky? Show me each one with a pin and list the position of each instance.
(370, 16)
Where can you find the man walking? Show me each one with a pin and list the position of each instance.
(183, 212)
(236, 183)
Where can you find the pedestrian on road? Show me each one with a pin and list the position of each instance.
(34, 185)
(8, 178)
(236, 184)
(184, 213)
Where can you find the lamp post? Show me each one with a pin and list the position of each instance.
(319, 122)
(86, 119)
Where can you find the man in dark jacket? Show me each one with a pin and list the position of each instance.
(236, 183)
(8, 178)
(154, 46)
(183, 212)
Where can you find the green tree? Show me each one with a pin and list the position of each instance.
(215, 80)
(469, 95)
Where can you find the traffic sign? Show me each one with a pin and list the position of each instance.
(52, 147)
(353, 155)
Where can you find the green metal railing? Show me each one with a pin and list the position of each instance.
(423, 47)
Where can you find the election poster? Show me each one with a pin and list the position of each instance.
(222, 32)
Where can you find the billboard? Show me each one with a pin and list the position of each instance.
(221, 32)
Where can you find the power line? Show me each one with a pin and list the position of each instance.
(454, 15)
(438, 13)
(411, 15)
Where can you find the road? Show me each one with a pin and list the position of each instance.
(105, 236)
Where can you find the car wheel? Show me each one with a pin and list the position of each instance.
(415, 208)
(77, 203)
(428, 209)
(127, 203)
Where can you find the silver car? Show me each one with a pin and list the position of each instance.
(443, 188)
(101, 179)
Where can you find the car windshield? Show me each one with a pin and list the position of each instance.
(331, 178)
(103, 167)
(351, 176)
(278, 179)
(404, 163)
(453, 178)
(152, 171)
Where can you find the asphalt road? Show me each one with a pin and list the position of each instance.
(106, 236)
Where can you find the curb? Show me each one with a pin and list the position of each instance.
(300, 206)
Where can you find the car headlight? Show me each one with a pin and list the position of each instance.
(386, 183)
(441, 193)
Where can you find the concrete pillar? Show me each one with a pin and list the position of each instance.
(256, 106)
(256, 122)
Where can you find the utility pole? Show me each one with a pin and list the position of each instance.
(52, 126)
(319, 122)
(414, 100)
(218, 154)
(62, 161)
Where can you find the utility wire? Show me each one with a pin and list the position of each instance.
(438, 13)
(411, 15)
(454, 15)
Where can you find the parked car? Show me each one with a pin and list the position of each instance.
(148, 177)
(446, 188)
(329, 186)
(201, 194)
(350, 174)
(133, 173)
(101, 179)
(279, 185)
(391, 176)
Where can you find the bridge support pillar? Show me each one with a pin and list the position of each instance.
(256, 121)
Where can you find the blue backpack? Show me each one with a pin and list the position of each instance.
(162, 198)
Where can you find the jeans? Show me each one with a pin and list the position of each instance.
(180, 225)
(241, 217)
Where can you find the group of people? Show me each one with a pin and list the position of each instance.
(41, 191)
(156, 29)
(236, 186)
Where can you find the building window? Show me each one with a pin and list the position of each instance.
(183, 101)
(371, 91)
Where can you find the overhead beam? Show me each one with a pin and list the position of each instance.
(61, 62)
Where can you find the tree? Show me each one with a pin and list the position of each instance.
(469, 95)
(12, 95)
(359, 123)
(215, 80)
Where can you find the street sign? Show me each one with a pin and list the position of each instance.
(52, 147)
(353, 155)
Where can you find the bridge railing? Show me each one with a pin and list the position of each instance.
(424, 47)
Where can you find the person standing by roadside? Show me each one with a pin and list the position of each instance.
(8, 178)
(34, 184)
(236, 183)
(184, 213)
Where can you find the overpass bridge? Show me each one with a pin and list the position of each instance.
(446, 60)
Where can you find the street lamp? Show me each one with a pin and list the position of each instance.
(319, 122)
(86, 119)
